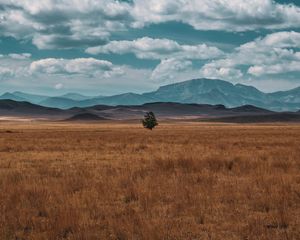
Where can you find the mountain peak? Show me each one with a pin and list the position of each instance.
(198, 81)
(75, 96)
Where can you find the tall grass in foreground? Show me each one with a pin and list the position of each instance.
(123, 182)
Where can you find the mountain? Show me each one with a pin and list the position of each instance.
(193, 91)
(200, 91)
(206, 91)
(121, 99)
(291, 96)
(33, 98)
(67, 100)
(75, 96)
(11, 96)
(210, 91)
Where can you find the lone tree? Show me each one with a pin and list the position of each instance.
(149, 121)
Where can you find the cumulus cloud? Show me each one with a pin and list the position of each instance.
(149, 48)
(275, 40)
(273, 54)
(221, 73)
(16, 56)
(169, 69)
(63, 24)
(84, 66)
(71, 23)
(275, 69)
(74, 75)
(20, 56)
(228, 15)
(6, 72)
(14, 65)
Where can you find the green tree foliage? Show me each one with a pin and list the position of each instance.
(149, 121)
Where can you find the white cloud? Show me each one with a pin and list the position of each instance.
(16, 56)
(63, 24)
(169, 69)
(143, 47)
(221, 73)
(273, 54)
(149, 48)
(84, 66)
(52, 24)
(58, 86)
(74, 75)
(20, 56)
(49, 66)
(228, 15)
(14, 65)
(6, 72)
(275, 69)
(275, 40)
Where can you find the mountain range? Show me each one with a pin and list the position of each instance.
(197, 91)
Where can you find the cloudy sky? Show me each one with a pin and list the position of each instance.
(108, 47)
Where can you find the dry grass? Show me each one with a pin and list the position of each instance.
(180, 181)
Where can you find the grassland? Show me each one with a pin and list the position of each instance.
(120, 181)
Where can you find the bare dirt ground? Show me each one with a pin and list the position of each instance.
(120, 181)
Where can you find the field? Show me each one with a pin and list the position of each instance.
(120, 181)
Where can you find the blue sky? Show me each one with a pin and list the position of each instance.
(109, 47)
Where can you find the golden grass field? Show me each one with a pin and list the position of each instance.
(120, 181)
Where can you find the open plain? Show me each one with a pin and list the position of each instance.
(120, 181)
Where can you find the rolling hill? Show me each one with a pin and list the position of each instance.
(269, 118)
(58, 102)
(163, 110)
(10, 108)
(85, 117)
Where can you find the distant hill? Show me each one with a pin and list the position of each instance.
(85, 117)
(269, 118)
(198, 91)
(59, 102)
(250, 109)
(26, 109)
(163, 110)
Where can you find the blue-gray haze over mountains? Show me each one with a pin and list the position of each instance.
(200, 91)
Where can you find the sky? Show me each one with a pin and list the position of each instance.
(105, 47)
